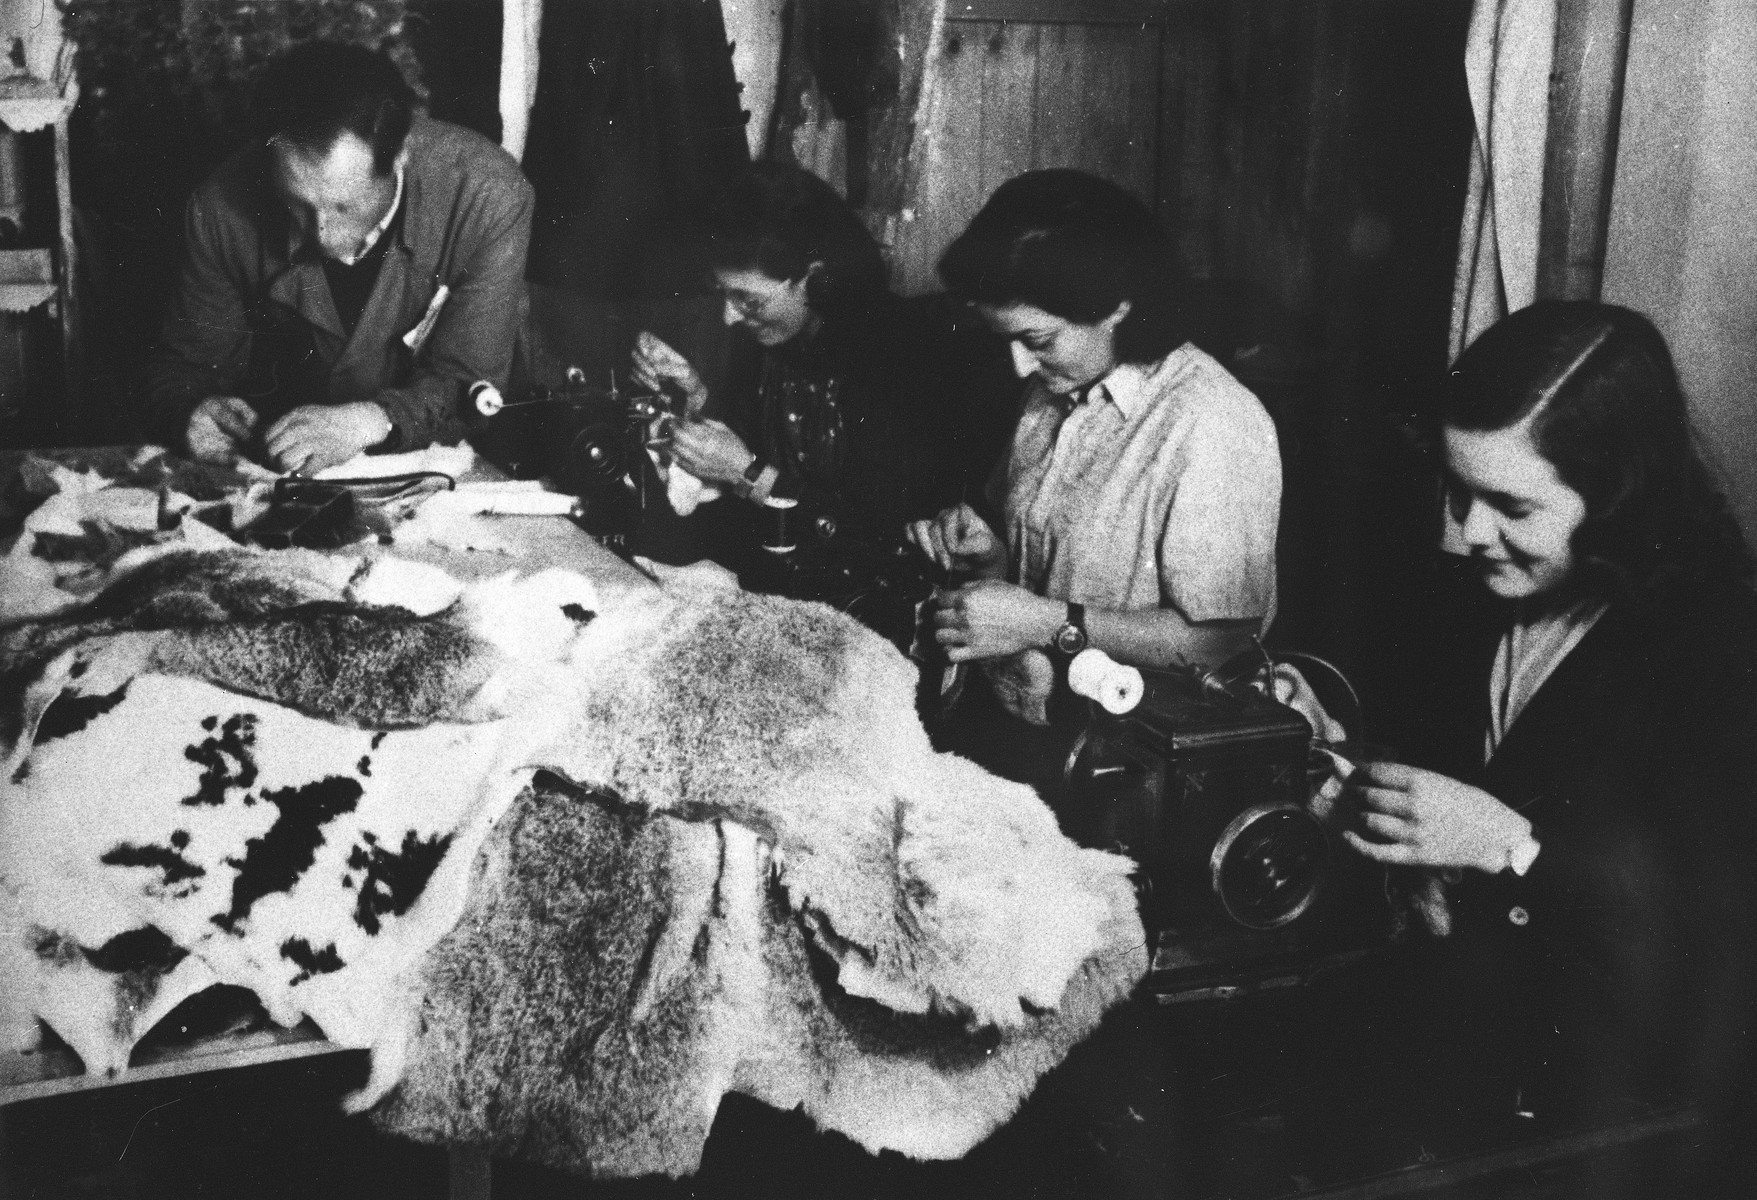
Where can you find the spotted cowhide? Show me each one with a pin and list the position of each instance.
(226, 769)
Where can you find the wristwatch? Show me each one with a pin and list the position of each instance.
(1071, 638)
(752, 474)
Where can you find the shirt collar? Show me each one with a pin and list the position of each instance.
(1124, 387)
(377, 231)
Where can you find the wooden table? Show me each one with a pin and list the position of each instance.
(536, 543)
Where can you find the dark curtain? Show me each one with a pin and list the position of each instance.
(636, 118)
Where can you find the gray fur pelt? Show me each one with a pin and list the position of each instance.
(905, 950)
(920, 873)
(277, 627)
(615, 974)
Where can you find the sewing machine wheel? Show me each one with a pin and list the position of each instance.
(1269, 865)
(599, 458)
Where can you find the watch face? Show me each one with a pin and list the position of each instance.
(1070, 639)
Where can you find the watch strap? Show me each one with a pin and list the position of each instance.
(1071, 637)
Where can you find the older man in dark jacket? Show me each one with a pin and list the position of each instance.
(345, 281)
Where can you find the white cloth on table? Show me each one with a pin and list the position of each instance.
(446, 460)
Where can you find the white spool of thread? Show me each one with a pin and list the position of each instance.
(486, 397)
(1097, 676)
(779, 536)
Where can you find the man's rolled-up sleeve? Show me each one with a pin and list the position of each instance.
(204, 342)
(474, 335)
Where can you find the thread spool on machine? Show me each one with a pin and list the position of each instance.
(588, 440)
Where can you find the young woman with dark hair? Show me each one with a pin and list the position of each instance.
(838, 412)
(1138, 508)
(1601, 924)
(1075, 246)
(1596, 385)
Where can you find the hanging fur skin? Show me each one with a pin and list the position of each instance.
(743, 867)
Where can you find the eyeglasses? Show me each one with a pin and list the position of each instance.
(748, 303)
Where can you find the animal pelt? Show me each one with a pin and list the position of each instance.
(919, 873)
(798, 897)
(615, 974)
(181, 771)
(891, 938)
(307, 862)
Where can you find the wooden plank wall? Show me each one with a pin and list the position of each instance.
(1011, 96)
(1255, 181)
(1230, 116)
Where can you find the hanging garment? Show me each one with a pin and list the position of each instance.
(1507, 65)
(636, 117)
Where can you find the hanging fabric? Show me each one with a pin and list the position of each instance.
(636, 117)
(1507, 66)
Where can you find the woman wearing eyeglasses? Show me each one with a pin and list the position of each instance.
(839, 412)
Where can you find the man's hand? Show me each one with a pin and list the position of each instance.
(710, 451)
(959, 540)
(313, 437)
(218, 429)
(1419, 818)
(656, 365)
(989, 619)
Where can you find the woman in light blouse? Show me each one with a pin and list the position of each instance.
(1137, 509)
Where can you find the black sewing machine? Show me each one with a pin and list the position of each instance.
(593, 442)
(1207, 785)
(588, 440)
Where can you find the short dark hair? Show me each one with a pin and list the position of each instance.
(780, 219)
(312, 94)
(1075, 246)
(1606, 410)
